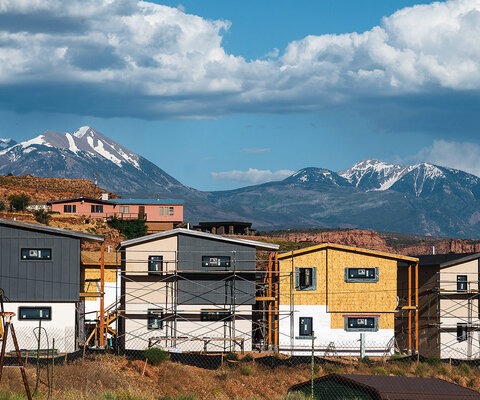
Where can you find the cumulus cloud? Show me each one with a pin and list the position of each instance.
(464, 156)
(252, 175)
(131, 58)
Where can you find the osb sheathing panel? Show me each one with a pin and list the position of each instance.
(304, 297)
(94, 273)
(369, 297)
(331, 288)
(385, 320)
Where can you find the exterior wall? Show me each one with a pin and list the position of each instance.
(333, 299)
(459, 307)
(190, 332)
(52, 280)
(111, 293)
(110, 209)
(61, 327)
(184, 290)
(84, 208)
(344, 343)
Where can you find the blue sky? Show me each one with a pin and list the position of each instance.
(226, 93)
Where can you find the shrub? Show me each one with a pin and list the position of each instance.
(131, 228)
(42, 216)
(18, 202)
(2, 206)
(465, 369)
(380, 371)
(155, 355)
(246, 370)
(247, 358)
(231, 356)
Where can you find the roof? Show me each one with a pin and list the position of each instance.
(81, 198)
(446, 260)
(93, 258)
(359, 250)
(204, 235)
(49, 229)
(398, 387)
(147, 201)
(222, 223)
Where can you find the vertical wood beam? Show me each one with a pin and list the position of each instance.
(409, 307)
(102, 295)
(417, 310)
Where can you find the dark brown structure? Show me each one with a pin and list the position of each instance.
(226, 228)
(374, 387)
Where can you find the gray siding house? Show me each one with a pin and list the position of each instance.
(40, 278)
(185, 290)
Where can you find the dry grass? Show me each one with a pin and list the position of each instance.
(116, 378)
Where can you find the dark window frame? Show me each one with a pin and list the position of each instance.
(306, 278)
(307, 323)
(462, 283)
(216, 261)
(154, 318)
(462, 332)
(356, 326)
(96, 208)
(361, 274)
(69, 208)
(152, 261)
(213, 315)
(26, 254)
(23, 317)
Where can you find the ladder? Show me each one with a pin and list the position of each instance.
(7, 325)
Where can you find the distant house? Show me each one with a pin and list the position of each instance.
(449, 306)
(226, 228)
(186, 290)
(40, 276)
(159, 214)
(375, 387)
(346, 297)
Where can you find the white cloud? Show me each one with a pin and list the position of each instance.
(153, 61)
(464, 156)
(252, 175)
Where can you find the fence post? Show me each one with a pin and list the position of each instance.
(313, 366)
(362, 346)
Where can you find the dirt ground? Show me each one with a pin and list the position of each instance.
(112, 377)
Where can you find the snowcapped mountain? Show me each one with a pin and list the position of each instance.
(421, 199)
(87, 153)
(316, 176)
(374, 174)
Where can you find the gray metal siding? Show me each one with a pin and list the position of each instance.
(223, 289)
(57, 279)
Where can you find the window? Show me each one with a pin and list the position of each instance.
(35, 313)
(96, 208)
(361, 323)
(125, 209)
(462, 283)
(168, 211)
(155, 319)
(461, 332)
(215, 315)
(306, 278)
(36, 254)
(155, 264)
(69, 208)
(306, 326)
(361, 274)
(216, 261)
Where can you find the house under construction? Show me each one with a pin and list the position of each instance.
(186, 290)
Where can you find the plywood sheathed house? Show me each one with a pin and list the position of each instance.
(185, 290)
(40, 276)
(337, 292)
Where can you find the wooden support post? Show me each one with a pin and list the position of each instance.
(102, 296)
(417, 311)
(269, 302)
(409, 307)
(276, 294)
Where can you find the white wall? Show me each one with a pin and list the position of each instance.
(346, 343)
(61, 327)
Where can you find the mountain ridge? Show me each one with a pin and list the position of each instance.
(421, 199)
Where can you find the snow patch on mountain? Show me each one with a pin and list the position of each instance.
(71, 144)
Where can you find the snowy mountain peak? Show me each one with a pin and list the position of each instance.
(313, 175)
(82, 131)
(6, 143)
